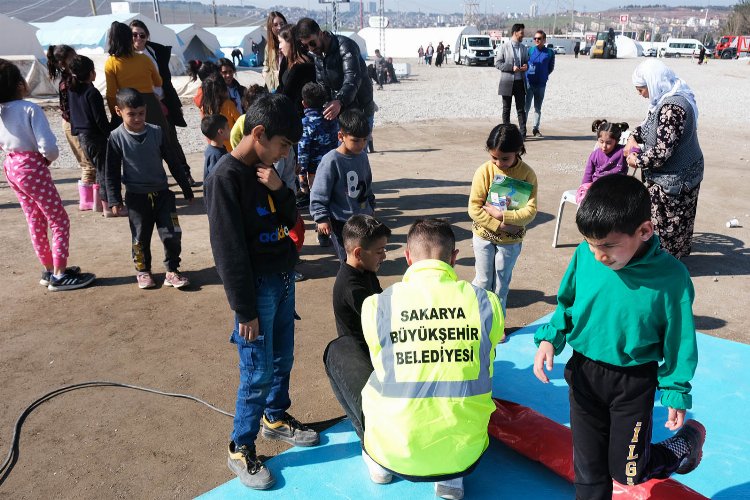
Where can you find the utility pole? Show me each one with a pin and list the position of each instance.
(335, 16)
(213, 7)
(361, 15)
(93, 7)
(554, 24)
(381, 12)
(157, 14)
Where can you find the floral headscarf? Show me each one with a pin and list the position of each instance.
(661, 83)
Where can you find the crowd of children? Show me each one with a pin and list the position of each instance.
(623, 351)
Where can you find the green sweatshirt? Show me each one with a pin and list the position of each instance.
(630, 317)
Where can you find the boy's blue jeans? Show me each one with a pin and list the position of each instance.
(266, 362)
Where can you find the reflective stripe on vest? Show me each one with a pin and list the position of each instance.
(431, 389)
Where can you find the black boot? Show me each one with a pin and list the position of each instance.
(370, 147)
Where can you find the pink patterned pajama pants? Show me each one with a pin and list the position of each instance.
(29, 176)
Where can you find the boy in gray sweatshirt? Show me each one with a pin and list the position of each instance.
(343, 183)
(135, 151)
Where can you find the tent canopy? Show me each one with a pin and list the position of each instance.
(405, 42)
(359, 41)
(19, 39)
(242, 37)
(627, 48)
(196, 42)
(91, 32)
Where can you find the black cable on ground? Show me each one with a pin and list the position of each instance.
(14, 453)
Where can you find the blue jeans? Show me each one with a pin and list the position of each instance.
(493, 265)
(266, 362)
(537, 94)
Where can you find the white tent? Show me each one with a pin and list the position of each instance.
(242, 37)
(359, 40)
(19, 39)
(196, 42)
(627, 48)
(405, 42)
(90, 33)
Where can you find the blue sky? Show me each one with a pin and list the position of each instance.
(489, 6)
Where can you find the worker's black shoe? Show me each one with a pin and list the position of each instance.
(244, 463)
(288, 429)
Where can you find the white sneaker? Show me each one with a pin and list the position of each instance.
(452, 489)
(378, 474)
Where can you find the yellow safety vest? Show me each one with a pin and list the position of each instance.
(429, 399)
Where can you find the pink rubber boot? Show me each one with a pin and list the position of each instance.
(85, 196)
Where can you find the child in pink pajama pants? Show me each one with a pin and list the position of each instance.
(30, 146)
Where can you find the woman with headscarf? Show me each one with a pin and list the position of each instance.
(272, 59)
(671, 158)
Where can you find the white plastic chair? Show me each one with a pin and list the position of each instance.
(567, 197)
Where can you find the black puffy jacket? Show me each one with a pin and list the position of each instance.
(162, 54)
(344, 74)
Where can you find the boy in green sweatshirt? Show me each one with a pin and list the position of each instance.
(625, 307)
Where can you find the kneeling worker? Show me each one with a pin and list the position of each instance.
(432, 341)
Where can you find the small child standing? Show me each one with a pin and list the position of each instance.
(344, 181)
(216, 130)
(134, 157)
(89, 122)
(498, 234)
(607, 158)
(58, 59)
(625, 307)
(347, 358)
(216, 101)
(319, 136)
(30, 146)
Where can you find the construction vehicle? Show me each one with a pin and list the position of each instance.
(731, 46)
(604, 46)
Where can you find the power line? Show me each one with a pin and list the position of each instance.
(27, 7)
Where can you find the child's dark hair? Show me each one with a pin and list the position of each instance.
(198, 69)
(215, 92)
(57, 55)
(613, 129)
(432, 233)
(507, 138)
(314, 95)
(210, 125)
(193, 66)
(353, 122)
(614, 203)
(363, 231)
(252, 93)
(225, 62)
(277, 114)
(10, 79)
(129, 98)
(120, 40)
(80, 71)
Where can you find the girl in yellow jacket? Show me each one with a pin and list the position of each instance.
(498, 233)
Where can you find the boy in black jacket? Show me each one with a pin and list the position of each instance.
(250, 211)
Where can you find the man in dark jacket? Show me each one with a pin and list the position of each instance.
(339, 67)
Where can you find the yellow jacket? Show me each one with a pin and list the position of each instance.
(487, 227)
(138, 72)
(432, 342)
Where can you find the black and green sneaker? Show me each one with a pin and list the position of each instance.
(244, 463)
(288, 429)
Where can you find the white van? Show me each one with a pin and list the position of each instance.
(474, 49)
(681, 47)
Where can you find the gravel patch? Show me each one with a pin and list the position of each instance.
(579, 88)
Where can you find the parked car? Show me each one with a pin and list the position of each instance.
(649, 52)
(559, 49)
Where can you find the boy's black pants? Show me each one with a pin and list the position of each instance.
(611, 411)
(146, 211)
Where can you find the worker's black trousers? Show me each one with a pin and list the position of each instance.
(611, 411)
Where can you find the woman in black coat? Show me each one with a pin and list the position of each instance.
(296, 67)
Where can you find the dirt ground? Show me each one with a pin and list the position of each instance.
(121, 443)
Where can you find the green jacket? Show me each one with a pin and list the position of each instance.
(630, 317)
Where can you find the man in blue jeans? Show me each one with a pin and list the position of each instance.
(541, 65)
(250, 211)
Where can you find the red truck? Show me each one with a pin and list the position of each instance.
(731, 46)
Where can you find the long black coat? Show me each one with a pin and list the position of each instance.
(171, 100)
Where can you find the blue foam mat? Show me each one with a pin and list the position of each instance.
(720, 397)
